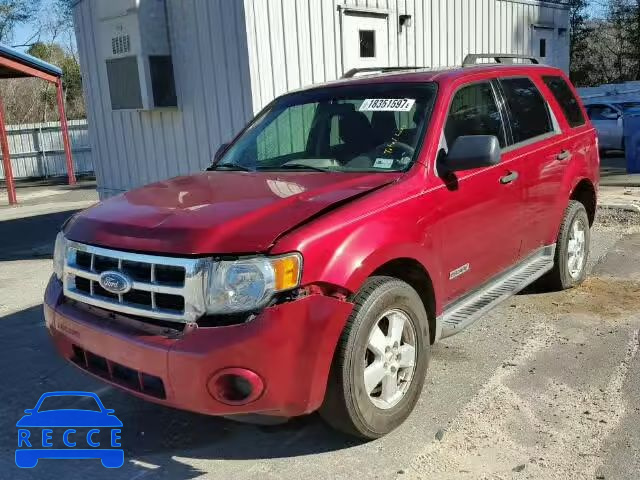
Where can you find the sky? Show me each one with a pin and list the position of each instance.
(25, 31)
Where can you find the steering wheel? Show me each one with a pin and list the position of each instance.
(408, 149)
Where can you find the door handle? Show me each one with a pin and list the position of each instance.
(563, 155)
(511, 177)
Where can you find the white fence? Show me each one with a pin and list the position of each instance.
(37, 149)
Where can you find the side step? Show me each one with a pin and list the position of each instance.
(462, 313)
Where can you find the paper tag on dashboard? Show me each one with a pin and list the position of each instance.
(387, 105)
(383, 163)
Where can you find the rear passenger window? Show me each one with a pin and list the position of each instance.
(529, 114)
(566, 99)
(474, 111)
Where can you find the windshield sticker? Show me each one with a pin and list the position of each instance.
(383, 163)
(387, 105)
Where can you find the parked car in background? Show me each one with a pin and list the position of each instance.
(349, 227)
(607, 118)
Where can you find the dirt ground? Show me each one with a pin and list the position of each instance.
(544, 387)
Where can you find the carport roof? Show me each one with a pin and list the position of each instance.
(19, 59)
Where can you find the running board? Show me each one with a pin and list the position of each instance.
(462, 313)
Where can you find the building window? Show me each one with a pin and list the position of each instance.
(367, 43)
(543, 47)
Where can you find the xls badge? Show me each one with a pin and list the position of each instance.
(459, 271)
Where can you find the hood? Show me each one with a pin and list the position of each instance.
(217, 212)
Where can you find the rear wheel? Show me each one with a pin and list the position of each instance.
(381, 360)
(572, 249)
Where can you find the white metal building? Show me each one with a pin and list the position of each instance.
(167, 81)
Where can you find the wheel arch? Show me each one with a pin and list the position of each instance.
(411, 271)
(585, 193)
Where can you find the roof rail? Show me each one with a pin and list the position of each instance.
(472, 58)
(354, 71)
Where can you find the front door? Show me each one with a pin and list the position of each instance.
(365, 40)
(481, 212)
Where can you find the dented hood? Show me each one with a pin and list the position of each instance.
(217, 212)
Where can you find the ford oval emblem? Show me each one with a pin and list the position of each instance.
(115, 282)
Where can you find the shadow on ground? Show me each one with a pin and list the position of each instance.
(84, 182)
(31, 237)
(152, 434)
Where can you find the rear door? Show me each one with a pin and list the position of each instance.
(480, 210)
(542, 153)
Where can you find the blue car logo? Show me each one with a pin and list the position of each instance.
(74, 428)
(115, 282)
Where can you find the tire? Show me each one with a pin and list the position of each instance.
(562, 277)
(348, 406)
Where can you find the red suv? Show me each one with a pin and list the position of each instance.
(344, 231)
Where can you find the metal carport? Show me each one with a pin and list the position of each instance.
(15, 64)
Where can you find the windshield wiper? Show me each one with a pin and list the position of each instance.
(230, 167)
(296, 166)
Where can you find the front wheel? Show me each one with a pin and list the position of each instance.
(380, 362)
(572, 249)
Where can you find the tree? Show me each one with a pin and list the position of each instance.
(14, 13)
(579, 32)
(71, 78)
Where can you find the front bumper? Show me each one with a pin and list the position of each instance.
(289, 346)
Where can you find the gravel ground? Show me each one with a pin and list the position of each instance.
(543, 387)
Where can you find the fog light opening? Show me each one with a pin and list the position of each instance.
(236, 386)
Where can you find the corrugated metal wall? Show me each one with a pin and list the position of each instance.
(132, 148)
(37, 149)
(232, 57)
(293, 43)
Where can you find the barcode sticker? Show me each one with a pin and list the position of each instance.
(387, 105)
(383, 163)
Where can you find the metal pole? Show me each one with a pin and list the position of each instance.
(65, 134)
(6, 159)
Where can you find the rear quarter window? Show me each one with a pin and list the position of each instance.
(566, 99)
(528, 111)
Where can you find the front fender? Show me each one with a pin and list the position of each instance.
(346, 256)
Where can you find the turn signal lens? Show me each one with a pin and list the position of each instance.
(286, 272)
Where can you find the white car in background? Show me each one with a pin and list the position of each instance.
(607, 119)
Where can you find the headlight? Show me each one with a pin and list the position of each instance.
(59, 255)
(245, 285)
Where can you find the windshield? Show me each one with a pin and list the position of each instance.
(630, 105)
(372, 128)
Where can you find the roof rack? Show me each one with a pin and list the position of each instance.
(354, 71)
(472, 58)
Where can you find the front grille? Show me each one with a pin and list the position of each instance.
(165, 288)
(117, 373)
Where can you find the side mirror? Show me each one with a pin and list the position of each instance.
(473, 151)
(221, 149)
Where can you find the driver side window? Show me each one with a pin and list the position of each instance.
(602, 112)
(474, 111)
